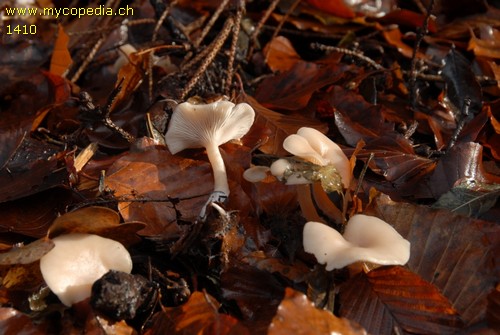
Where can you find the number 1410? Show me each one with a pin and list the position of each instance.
(21, 29)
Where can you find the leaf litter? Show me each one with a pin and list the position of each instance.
(417, 109)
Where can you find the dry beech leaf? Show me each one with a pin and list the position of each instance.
(391, 298)
(15, 322)
(461, 84)
(199, 315)
(407, 18)
(32, 216)
(21, 277)
(395, 38)
(319, 22)
(292, 89)
(31, 168)
(297, 315)
(130, 76)
(457, 254)
(488, 42)
(154, 175)
(112, 327)
(257, 293)
(462, 161)
(334, 7)
(61, 58)
(97, 220)
(296, 272)
(493, 312)
(280, 54)
(26, 254)
(470, 199)
(84, 220)
(19, 267)
(280, 126)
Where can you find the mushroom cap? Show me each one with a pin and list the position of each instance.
(327, 245)
(256, 173)
(386, 246)
(313, 146)
(366, 238)
(198, 125)
(77, 261)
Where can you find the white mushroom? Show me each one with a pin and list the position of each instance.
(255, 174)
(313, 146)
(77, 261)
(284, 170)
(366, 238)
(208, 126)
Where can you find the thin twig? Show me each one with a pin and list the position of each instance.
(349, 52)
(283, 20)
(150, 75)
(137, 22)
(362, 174)
(413, 72)
(106, 116)
(256, 32)
(193, 61)
(88, 59)
(161, 20)
(234, 44)
(210, 23)
(213, 48)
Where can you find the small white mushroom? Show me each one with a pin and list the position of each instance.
(313, 146)
(77, 261)
(208, 126)
(255, 174)
(366, 238)
(283, 170)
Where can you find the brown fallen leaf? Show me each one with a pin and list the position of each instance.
(171, 186)
(393, 299)
(32, 216)
(297, 315)
(256, 292)
(280, 126)
(457, 254)
(280, 54)
(97, 220)
(61, 58)
(292, 89)
(199, 315)
(493, 312)
(26, 254)
(334, 7)
(463, 161)
(15, 322)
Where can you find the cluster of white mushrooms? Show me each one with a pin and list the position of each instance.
(78, 260)
(366, 238)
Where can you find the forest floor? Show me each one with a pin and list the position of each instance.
(409, 91)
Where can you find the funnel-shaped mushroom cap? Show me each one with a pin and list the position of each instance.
(313, 146)
(198, 126)
(385, 245)
(77, 261)
(327, 245)
(366, 238)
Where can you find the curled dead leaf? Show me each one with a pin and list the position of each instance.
(297, 315)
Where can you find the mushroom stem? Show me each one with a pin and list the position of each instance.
(219, 169)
